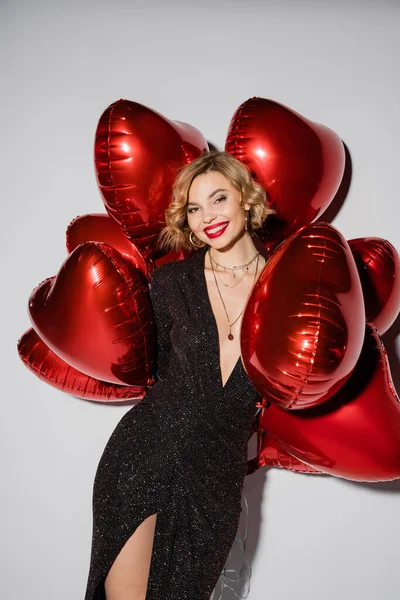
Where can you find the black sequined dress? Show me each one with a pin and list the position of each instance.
(180, 452)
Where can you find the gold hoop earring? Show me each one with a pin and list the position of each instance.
(193, 243)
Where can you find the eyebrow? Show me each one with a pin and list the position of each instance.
(211, 195)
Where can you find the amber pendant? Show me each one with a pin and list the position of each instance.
(230, 337)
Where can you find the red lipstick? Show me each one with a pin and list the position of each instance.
(216, 230)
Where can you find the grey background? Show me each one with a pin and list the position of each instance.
(337, 63)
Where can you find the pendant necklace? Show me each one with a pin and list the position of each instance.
(230, 335)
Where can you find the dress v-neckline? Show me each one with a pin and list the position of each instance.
(214, 324)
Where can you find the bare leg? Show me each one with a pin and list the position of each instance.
(128, 577)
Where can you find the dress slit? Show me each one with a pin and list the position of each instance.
(97, 590)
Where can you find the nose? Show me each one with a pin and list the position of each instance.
(208, 216)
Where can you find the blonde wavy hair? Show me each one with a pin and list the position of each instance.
(175, 235)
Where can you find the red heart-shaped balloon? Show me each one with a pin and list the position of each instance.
(356, 433)
(96, 316)
(137, 155)
(102, 228)
(299, 163)
(48, 367)
(271, 454)
(378, 266)
(303, 325)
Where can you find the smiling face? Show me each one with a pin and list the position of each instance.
(214, 212)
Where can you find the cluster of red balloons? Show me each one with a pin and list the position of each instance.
(92, 333)
(309, 334)
(311, 346)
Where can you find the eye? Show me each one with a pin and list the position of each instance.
(194, 209)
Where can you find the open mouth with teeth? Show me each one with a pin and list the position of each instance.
(218, 230)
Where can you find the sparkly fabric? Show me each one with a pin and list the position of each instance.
(180, 452)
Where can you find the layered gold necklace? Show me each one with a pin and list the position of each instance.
(245, 267)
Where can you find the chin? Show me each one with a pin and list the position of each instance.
(222, 244)
(225, 241)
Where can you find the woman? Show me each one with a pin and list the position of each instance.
(167, 491)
